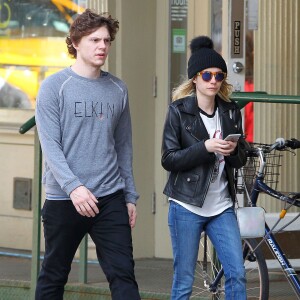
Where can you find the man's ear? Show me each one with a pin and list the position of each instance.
(74, 45)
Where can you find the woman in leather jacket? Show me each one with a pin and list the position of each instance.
(201, 182)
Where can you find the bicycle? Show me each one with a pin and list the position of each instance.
(209, 275)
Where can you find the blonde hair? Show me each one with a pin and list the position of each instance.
(188, 88)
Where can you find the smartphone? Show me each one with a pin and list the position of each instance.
(232, 137)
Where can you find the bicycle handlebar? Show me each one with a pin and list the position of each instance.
(280, 144)
(293, 143)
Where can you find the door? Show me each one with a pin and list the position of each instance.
(233, 24)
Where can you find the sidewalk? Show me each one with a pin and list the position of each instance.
(154, 277)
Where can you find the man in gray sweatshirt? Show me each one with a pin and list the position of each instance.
(84, 126)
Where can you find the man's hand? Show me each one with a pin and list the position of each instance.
(84, 201)
(220, 146)
(132, 214)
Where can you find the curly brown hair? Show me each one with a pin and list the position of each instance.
(85, 24)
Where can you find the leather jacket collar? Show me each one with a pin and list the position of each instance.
(190, 105)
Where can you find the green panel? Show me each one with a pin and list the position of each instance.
(20, 290)
(14, 290)
(243, 98)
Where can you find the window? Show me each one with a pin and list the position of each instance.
(32, 43)
(178, 41)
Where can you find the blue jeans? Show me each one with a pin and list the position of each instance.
(64, 228)
(185, 229)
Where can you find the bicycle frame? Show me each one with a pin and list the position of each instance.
(289, 272)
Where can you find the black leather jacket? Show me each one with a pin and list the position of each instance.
(185, 156)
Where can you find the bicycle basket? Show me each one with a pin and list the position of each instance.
(248, 173)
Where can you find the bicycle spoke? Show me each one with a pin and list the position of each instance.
(256, 274)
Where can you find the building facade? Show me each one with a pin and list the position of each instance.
(150, 54)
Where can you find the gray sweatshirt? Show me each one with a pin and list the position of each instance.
(84, 128)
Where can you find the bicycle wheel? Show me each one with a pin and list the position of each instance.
(256, 273)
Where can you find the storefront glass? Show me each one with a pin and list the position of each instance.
(178, 41)
(32, 46)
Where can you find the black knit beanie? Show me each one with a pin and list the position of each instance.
(204, 56)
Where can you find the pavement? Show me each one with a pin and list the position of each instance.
(154, 275)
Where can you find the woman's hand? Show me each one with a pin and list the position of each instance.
(220, 146)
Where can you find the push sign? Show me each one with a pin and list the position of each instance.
(237, 37)
(237, 29)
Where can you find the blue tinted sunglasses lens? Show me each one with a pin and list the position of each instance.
(207, 76)
(219, 76)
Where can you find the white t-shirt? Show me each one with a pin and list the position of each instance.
(217, 199)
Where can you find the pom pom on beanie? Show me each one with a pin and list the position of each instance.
(204, 56)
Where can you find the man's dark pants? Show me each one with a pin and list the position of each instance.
(64, 228)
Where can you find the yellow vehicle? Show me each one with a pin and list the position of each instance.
(32, 46)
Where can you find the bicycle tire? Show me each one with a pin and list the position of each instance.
(256, 275)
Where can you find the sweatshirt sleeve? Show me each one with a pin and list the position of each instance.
(47, 117)
(123, 146)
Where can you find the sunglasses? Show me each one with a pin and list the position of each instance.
(207, 75)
